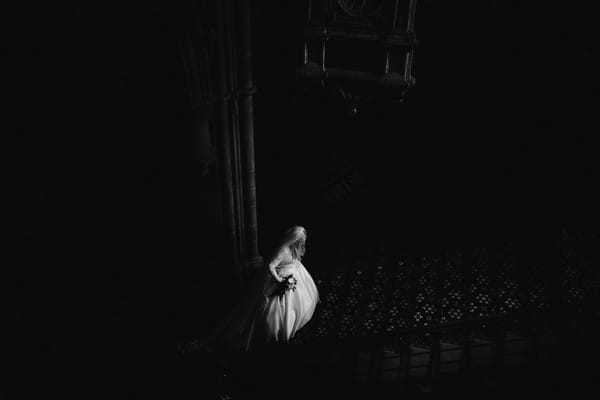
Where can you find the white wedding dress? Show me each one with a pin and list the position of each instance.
(267, 314)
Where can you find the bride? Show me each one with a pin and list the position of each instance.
(278, 303)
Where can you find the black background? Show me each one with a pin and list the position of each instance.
(496, 142)
(496, 138)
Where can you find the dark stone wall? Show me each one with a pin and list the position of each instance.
(104, 251)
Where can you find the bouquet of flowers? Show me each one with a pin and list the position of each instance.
(290, 282)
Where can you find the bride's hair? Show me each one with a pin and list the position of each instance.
(295, 239)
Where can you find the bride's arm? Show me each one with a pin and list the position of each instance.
(273, 266)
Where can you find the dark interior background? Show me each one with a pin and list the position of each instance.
(495, 139)
(496, 142)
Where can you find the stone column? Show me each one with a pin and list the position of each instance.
(246, 90)
(224, 137)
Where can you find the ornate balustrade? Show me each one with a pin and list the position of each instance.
(425, 316)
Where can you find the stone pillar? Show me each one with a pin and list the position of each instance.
(253, 258)
(224, 138)
(220, 81)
